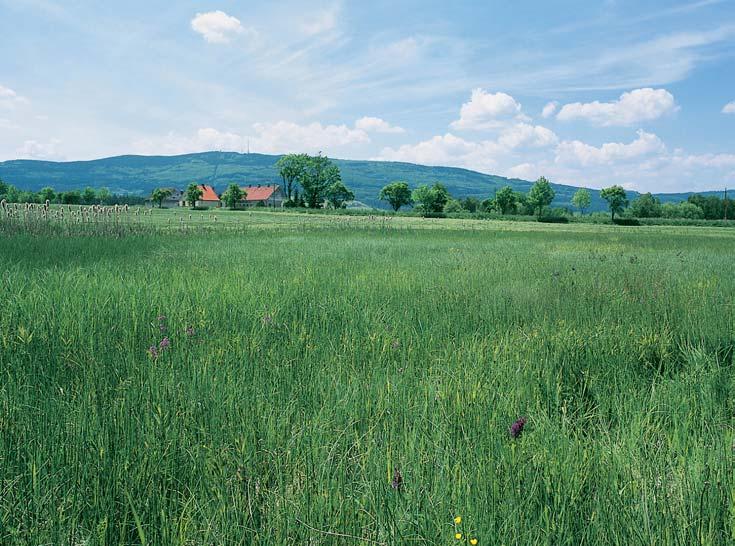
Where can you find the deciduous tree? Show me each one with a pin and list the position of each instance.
(582, 199)
(541, 195)
(397, 194)
(616, 199)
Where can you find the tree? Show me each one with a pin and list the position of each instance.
(71, 197)
(453, 205)
(233, 195)
(89, 196)
(431, 199)
(319, 174)
(582, 199)
(470, 204)
(505, 200)
(193, 194)
(3, 187)
(338, 193)
(541, 195)
(616, 199)
(397, 194)
(104, 196)
(46, 194)
(645, 206)
(159, 194)
(291, 167)
(684, 209)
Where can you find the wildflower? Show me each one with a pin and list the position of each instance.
(517, 427)
(458, 520)
(458, 536)
(396, 343)
(153, 352)
(267, 319)
(473, 541)
(161, 318)
(189, 331)
(165, 343)
(162, 327)
(397, 482)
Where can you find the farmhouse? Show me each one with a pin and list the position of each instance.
(209, 197)
(171, 201)
(266, 195)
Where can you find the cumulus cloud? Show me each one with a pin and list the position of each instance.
(376, 125)
(33, 149)
(323, 21)
(576, 152)
(271, 138)
(729, 108)
(522, 135)
(549, 109)
(488, 111)
(216, 26)
(632, 107)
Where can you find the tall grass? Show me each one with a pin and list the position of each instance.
(317, 361)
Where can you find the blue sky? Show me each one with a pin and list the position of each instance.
(639, 93)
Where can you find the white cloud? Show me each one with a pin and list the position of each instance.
(9, 99)
(488, 111)
(729, 108)
(632, 107)
(321, 22)
(216, 26)
(376, 125)
(526, 135)
(549, 109)
(33, 149)
(576, 152)
(269, 138)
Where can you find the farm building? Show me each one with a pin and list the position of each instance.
(171, 201)
(209, 197)
(266, 195)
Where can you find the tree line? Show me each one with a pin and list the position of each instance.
(87, 196)
(436, 200)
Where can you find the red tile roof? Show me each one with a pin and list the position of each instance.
(258, 193)
(208, 193)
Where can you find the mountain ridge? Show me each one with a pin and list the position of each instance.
(139, 174)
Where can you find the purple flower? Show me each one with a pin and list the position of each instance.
(189, 331)
(153, 352)
(396, 343)
(161, 318)
(162, 327)
(267, 319)
(517, 427)
(165, 343)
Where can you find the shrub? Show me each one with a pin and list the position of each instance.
(553, 219)
(626, 222)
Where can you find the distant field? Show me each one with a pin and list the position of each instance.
(257, 379)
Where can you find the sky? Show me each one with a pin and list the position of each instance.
(590, 93)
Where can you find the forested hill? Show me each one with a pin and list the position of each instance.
(140, 174)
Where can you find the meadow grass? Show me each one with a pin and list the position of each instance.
(311, 356)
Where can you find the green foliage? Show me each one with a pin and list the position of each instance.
(159, 194)
(233, 195)
(431, 199)
(73, 197)
(541, 195)
(89, 196)
(582, 199)
(337, 194)
(104, 195)
(291, 168)
(453, 205)
(685, 209)
(646, 206)
(193, 194)
(616, 199)
(397, 194)
(46, 194)
(319, 174)
(713, 207)
(470, 204)
(506, 200)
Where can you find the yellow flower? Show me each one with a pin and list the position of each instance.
(458, 520)
(473, 541)
(458, 536)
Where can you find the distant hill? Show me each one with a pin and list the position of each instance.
(140, 174)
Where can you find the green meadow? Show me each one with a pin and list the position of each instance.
(259, 378)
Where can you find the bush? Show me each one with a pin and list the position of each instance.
(626, 222)
(429, 214)
(553, 219)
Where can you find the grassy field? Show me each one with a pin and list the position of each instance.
(257, 380)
